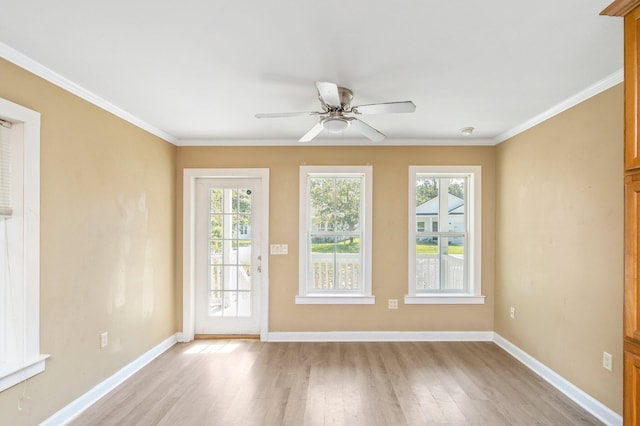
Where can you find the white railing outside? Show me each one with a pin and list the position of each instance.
(428, 272)
(345, 275)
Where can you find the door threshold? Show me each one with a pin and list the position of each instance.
(226, 336)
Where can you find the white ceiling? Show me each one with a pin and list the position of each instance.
(200, 70)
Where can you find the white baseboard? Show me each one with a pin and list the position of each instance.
(72, 410)
(381, 336)
(592, 405)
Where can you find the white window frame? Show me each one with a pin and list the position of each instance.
(305, 296)
(473, 255)
(22, 361)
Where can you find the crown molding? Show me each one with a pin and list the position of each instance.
(338, 142)
(600, 86)
(23, 61)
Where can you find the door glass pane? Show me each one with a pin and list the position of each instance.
(241, 201)
(230, 252)
(230, 300)
(215, 250)
(244, 304)
(216, 277)
(216, 226)
(244, 277)
(215, 303)
(216, 200)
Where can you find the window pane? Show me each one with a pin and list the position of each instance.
(347, 263)
(453, 264)
(442, 230)
(322, 262)
(322, 197)
(427, 264)
(455, 204)
(334, 219)
(427, 204)
(347, 204)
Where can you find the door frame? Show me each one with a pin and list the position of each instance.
(188, 243)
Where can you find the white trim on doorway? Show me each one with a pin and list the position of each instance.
(188, 248)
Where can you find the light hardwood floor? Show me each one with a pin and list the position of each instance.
(248, 382)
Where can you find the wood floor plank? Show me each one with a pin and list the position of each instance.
(248, 382)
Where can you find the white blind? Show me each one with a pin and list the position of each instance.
(5, 170)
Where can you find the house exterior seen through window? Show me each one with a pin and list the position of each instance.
(335, 252)
(444, 233)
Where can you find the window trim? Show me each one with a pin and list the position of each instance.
(26, 166)
(474, 232)
(305, 297)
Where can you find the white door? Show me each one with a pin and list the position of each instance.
(228, 261)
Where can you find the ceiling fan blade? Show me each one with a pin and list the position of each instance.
(315, 131)
(367, 130)
(285, 114)
(385, 108)
(329, 93)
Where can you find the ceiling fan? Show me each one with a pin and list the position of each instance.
(337, 112)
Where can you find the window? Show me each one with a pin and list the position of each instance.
(444, 255)
(335, 235)
(20, 356)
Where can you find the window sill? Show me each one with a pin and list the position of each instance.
(12, 374)
(444, 299)
(332, 299)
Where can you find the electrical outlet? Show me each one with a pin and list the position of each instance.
(512, 313)
(393, 303)
(104, 339)
(607, 361)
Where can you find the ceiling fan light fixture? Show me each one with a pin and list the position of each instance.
(335, 124)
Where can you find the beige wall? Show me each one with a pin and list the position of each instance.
(390, 230)
(559, 258)
(110, 240)
(107, 245)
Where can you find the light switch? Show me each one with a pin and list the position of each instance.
(279, 249)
